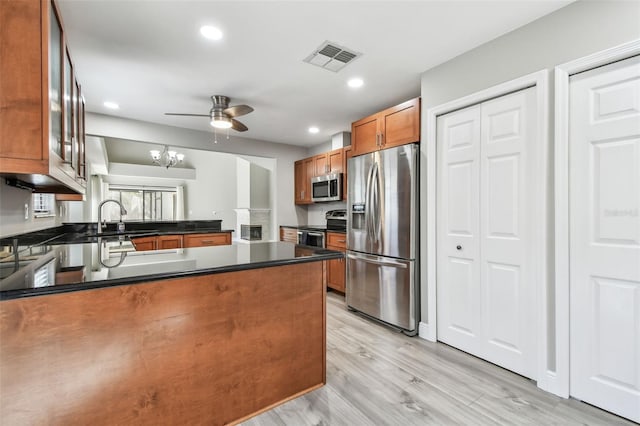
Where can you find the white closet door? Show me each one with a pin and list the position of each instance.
(604, 177)
(458, 291)
(485, 294)
(508, 137)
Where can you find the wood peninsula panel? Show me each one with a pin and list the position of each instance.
(211, 349)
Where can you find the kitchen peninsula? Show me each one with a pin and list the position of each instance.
(184, 336)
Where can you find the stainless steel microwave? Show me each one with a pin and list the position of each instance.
(326, 188)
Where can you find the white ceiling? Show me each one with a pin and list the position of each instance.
(149, 57)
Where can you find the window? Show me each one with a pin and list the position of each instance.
(44, 205)
(141, 203)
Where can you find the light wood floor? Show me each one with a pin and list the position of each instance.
(376, 376)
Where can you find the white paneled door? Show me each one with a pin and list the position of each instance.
(604, 204)
(485, 286)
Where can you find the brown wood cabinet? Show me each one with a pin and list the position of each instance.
(170, 241)
(204, 240)
(304, 170)
(289, 234)
(394, 126)
(41, 105)
(173, 241)
(329, 162)
(145, 243)
(336, 269)
(321, 164)
(348, 153)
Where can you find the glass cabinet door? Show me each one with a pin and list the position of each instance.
(55, 83)
(80, 132)
(68, 113)
(75, 151)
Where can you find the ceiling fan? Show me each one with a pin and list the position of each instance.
(222, 116)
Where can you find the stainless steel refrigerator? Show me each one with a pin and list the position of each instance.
(382, 236)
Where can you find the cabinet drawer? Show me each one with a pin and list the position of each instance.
(204, 240)
(289, 234)
(337, 239)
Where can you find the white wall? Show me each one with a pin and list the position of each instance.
(284, 208)
(582, 28)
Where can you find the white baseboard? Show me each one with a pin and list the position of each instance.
(425, 331)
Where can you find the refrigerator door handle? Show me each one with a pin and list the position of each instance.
(378, 262)
(375, 181)
(368, 210)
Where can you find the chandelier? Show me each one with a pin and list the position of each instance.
(166, 158)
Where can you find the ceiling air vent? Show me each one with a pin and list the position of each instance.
(331, 56)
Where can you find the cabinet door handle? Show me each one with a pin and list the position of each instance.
(381, 139)
(342, 241)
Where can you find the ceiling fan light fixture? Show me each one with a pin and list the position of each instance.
(221, 122)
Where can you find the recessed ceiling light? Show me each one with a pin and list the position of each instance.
(111, 105)
(212, 33)
(354, 83)
(313, 129)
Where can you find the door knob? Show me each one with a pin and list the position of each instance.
(458, 247)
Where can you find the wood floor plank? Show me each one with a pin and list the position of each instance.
(377, 376)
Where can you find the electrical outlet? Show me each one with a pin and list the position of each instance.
(26, 211)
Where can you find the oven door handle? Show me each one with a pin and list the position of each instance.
(316, 234)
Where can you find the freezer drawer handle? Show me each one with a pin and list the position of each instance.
(378, 262)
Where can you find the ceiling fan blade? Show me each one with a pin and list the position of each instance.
(186, 115)
(238, 110)
(238, 126)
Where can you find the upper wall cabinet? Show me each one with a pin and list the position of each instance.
(321, 164)
(304, 170)
(329, 162)
(394, 126)
(41, 105)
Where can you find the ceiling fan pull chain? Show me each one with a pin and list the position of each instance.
(215, 135)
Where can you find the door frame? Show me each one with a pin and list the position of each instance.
(539, 81)
(562, 73)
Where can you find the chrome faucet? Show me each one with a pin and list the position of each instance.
(102, 225)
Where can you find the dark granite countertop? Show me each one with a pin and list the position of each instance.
(83, 230)
(58, 267)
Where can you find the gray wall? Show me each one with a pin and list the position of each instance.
(577, 30)
(285, 210)
(572, 32)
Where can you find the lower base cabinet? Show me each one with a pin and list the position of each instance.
(204, 240)
(170, 241)
(145, 243)
(289, 234)
(336, 269)
(173, 241)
